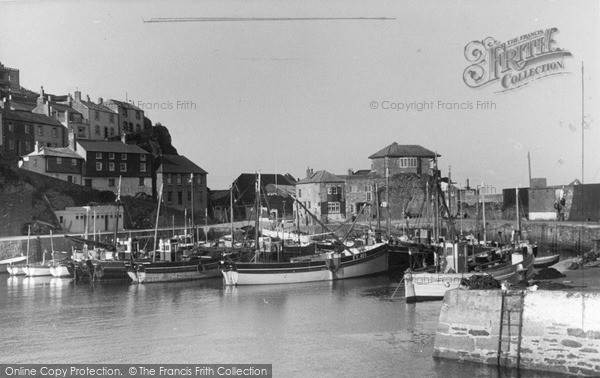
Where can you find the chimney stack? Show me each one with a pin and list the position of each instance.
(72, 140)
(70, 99)
(87, 97)
(308, 172)
(100, 100)
(77, 95)
(37, 146)
(124, 138)
(350, 172)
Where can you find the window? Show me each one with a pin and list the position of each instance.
(408, 162)
(142, 167)
(142, 183)
(111, 156)
(189, 196)
(111, 166)
(111, 182)
(98, 155)
(54, 132)
(27, 129)
(137, 114)
(333, 207)
(369, 196)
(179, 198)
(59, 160)
(142, 157)
(88, 182)
(179, 179)
(26, 145)
(73, 161)
(10, 127)
(138, 128)
(97, 129)
(112, 131)
(168, 178)
(40, 130)
(123, 167)
(124, 126)
(97, 115)
(131, 126)
(35, 162)
(111, 118)
(332, 190)
(308, 207)
(123, 156)
(299, 193)
(124, 112)
(170, 197)
(98, 166)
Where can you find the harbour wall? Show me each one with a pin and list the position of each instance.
(560, 331)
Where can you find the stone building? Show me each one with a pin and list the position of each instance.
(324, 195)
(99, 121)
(131, 118)
(9, 81)
(58, 162)
(184, 183)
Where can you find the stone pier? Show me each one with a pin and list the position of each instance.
(560, 330)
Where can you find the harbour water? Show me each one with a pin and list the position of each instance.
(351, 328)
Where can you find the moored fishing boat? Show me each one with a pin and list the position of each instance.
(424, 286)
(330, 266)
(7, 264)
(37, 269)
(545, 261)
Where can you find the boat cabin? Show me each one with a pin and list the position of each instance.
(454, 257)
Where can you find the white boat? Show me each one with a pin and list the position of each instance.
(355, 262)
(37, 269)
(422, 286)
(60, 270)
(6, 264)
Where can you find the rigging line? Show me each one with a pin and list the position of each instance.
(582, 189)
(245, 19)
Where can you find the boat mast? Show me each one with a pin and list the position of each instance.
(28, 236)
(483, 210)
(377, 201)
(156, 224)
(231, 212)
(118, 205)
(258, 209)
(192, 220)
(387, 197)
(518, 217)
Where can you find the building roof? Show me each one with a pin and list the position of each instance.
(24, 116)
(63, 107)
(57, 152)
(178, 164)
(94, 106)
(123, 104)
(407, 150)
(320, 176)
(110, 146)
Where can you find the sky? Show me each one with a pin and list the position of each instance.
(327, 84)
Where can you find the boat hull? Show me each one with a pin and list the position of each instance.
(60, 270)
(5, 264)
(148, 272)
(545, 261)
(366, 263)
(432, 286)
(37, 270)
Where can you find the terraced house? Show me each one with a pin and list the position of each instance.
(108, 162)
(323, 194)
(21, 130)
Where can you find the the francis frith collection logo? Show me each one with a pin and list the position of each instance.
(514, 63)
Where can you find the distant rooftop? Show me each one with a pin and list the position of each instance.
(321, 176)
(25, 116)
(407, 150)
(57, 152)
(110, 146)
(178, 164)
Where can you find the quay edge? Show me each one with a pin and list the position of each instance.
(560, 331)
